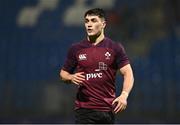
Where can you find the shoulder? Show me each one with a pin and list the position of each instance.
(75, 46)
(115, 45)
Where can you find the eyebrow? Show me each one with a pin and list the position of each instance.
(90, 18)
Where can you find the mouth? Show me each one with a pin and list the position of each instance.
(89, 30)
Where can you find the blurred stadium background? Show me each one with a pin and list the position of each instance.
(35, 36)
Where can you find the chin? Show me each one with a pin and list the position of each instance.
(91, 34)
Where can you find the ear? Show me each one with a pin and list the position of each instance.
(104, 24)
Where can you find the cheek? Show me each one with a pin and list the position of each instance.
(86, 26)
(98, 27)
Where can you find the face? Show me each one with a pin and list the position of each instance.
(94, 25)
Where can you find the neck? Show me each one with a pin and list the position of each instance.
(96, 39)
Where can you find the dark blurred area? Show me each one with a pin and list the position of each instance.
(36, 34)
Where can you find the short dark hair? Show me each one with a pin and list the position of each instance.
(97, 12)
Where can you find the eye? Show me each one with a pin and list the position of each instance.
(86, 21)
(94, 20)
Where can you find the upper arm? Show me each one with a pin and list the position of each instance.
(126, 69)
(121, 56)
(71, 61)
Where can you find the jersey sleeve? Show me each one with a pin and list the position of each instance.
(71, 61)
(121, 56)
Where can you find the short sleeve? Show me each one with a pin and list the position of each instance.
(121, 56)
(71, 61)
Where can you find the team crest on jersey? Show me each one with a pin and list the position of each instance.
(82, 57)
(107, 54)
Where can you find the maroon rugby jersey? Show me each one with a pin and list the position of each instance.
(99, 63)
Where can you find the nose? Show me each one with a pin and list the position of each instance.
(89, 24)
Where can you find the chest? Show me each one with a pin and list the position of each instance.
(94, 56)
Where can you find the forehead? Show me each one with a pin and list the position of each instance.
(89, 17)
